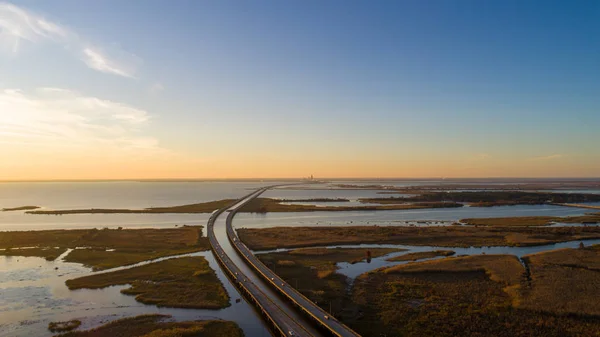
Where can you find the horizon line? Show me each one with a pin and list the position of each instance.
(290, 178)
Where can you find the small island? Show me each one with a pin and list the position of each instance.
(161, 325)
(21, 208)
(258, 205)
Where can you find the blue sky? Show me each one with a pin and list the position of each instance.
(281, 88)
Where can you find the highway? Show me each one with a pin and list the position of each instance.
(281, 316)
(318, 315)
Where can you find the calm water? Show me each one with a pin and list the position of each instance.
(128, 195)
(121, 194)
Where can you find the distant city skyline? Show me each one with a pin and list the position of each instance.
(268, 89)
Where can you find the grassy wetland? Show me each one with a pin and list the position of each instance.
(179, 282)
(491, 198)
(64, 326)
(555, 186)
(312, 271)
(475, 295)
(422, 255)
(565, 281)
(160, 326)
(106, 248)
(186, 282)
(442, 236)
(478, 295)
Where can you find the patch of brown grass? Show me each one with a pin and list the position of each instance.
(493, 198)
(287, 263)
(565, 281)
(335, 255)
(100, 259)
(171, 283)
(130, 245)
(511, 221)
(155, 326)
(64, 326)
(471, 296)
(313, 272)
(443, 236)
(422, 255)
(505, 269)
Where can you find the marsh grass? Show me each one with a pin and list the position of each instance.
(313, 272)
(492, 198)
(64, 326)
(504, 269)
(156, 326)
(21, 208)
(130, 245)
(186, 282)
(466, 296)
(421, 255)
(100, 259)
(565, 281)
(443, 236)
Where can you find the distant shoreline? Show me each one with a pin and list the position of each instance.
(328, 179)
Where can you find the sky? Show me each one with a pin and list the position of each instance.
(270, 89)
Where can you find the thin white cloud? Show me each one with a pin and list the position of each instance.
(19, 25)
(550, 157)
(156, 87)
(99, 61)
(64, 120)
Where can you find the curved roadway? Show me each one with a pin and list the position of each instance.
(281, 315)
(313, 311)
